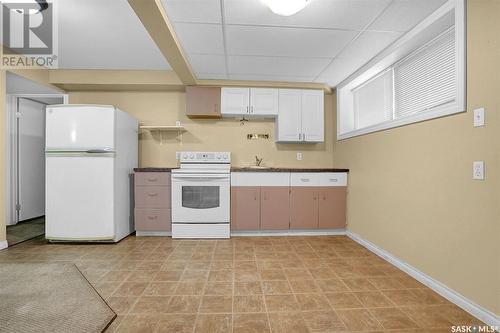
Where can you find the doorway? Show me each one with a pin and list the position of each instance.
(27, 166)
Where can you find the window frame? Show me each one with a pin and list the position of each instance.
(397, 52)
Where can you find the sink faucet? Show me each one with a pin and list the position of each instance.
(258, 161)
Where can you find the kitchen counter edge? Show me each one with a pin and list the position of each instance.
(246, 169)
(153, 169)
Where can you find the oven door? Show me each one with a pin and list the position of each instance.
(200, 198)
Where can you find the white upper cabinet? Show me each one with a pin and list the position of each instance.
(289, 122)
(249, 102)
(264, 102)
(235, 101)
(301, 116)
(313, 116)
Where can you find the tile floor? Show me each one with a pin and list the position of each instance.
(250, 285)
(25, 230)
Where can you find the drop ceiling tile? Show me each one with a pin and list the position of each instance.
(200, 38)
(369, 44)
(276, 66)
(336, 14)
(291, 42)
(274, 78)
(208, 63)
(91, 37)
(197, 11)
(402, 15)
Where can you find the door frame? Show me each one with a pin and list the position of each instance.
(11, 156)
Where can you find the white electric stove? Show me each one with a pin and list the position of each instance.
(201, 195)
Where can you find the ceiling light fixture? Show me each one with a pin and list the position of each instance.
(286, 7)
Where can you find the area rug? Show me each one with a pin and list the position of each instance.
(49, 297)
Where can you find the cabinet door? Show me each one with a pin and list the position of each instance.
(263, 102)
(203, 102)
(332, 207)
(245, 208)
(235, 101)
(275, 207)
(313, 118)
(288, 123)
(304, 208)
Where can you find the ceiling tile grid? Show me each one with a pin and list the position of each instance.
(325, 42)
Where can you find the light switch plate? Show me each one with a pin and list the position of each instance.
(478, 170)
(177, 155)
(299, 156)
(479, 117)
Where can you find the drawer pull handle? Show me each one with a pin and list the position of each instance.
(152, 217)
(334, 180)
(152, 179)
(152, 194)
(304, 180)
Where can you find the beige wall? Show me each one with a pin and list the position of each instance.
(164, 108)
(410, 188)
(2, 153)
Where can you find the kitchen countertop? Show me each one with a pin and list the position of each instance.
(249, 169)
(155, 169)
(265, 169)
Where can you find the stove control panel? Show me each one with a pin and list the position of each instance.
(205, 157)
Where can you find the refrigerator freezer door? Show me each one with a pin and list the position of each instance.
(79, 197)
(80, 127)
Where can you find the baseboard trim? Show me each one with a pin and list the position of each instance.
(153, 233)
(466, 304)
(296, 232)
(3, 245)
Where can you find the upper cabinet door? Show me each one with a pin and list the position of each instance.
(235, 101)
(263, 102)
(313, 117)
(288, 123)
(203, 102)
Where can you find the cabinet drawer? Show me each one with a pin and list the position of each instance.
(153, 220)
(305, 179)
(333, 179)
(152, 178)
(152, 197)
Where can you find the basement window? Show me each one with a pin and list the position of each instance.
(419, 77)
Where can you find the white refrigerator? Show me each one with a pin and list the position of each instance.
(90, 153)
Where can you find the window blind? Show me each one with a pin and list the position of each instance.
(427, 78)
(373, 102)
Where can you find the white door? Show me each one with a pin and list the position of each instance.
(288, 124)
(79, 196)
(263, 102)
(31, 165)
(80, 127)
(313, 116)
(235, 101)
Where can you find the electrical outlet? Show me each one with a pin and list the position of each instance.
(478, 170)
(299, 156)
(479, 117)
(177, 155)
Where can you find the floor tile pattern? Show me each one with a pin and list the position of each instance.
(250, 285)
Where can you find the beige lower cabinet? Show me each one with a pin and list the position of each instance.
(274, 207)
(332, 205)
(245, 208)
(152, 202)
(304, 208)
(284, 201)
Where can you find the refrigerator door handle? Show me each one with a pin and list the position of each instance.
(99, 151)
